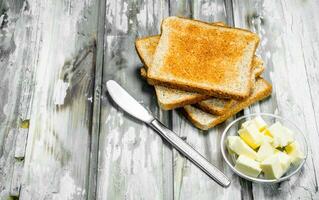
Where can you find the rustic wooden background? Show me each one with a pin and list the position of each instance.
(62, 138)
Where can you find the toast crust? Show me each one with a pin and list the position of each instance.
(205, 91)
(145, 48)
(212, 107)
(208, 71)
(180, 102)
(258, 69)
(214, 120)
(143, 72)
(204, 102)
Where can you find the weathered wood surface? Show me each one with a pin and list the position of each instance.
(58, 147)
(15, 86)
(49, 61)
(133, 162)
(55, 57)
(189, 181)
(289, 38)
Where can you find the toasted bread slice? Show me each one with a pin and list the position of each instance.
(169, 98)
(258, 68)
(196, 56)
(143, 72)
(217, 106)
(204, 120)
(146, 46)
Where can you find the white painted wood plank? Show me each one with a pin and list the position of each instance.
(96, 100)
(15, 85)
(20, 143)
(57, 154)
(133, 161)
(289, 33)
(16, 178)
(189, 181)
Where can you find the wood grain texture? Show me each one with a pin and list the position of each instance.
(15, 85)
(189, 181)
(95, 129)
(61, 137)
(61, 48)
(133, 161)
(288, 46)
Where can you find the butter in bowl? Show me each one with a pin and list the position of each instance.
(264, 148)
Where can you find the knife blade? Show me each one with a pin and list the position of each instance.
(127, 102)
(131, 106)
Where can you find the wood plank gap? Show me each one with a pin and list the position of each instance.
(95, 128)
(230, 12)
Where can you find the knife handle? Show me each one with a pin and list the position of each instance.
(190, 153)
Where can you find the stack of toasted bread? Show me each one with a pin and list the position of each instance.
(210, 70)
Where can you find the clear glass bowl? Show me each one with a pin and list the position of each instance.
(232, 129)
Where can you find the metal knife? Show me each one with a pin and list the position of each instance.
(131, 106)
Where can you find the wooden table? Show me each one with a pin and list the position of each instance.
(62, 138)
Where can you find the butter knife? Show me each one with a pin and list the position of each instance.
(124, 100)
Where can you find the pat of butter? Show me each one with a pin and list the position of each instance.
(237, 145)
(260, 123)
(295, 153)
(251, 135)
(288, 135)
(265, 151)
(272, 167)
(248, 166)
(281, 135)
(284, 160)
(266, 138)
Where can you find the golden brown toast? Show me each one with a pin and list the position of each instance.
(217, 106)
(146, 46)
(169, 98)
(196, 56)
(204, 120)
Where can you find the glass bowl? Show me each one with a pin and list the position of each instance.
(234, 126)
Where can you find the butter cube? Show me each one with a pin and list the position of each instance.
(248, 166)
(281, 137)
(251, 135)
(265, 150)
(288, 134)
(284, 160)
(295, 152)
(260, 123)
(266, 138)
(275, 131)
(237, 145)
(246, 123)
(272, 167)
